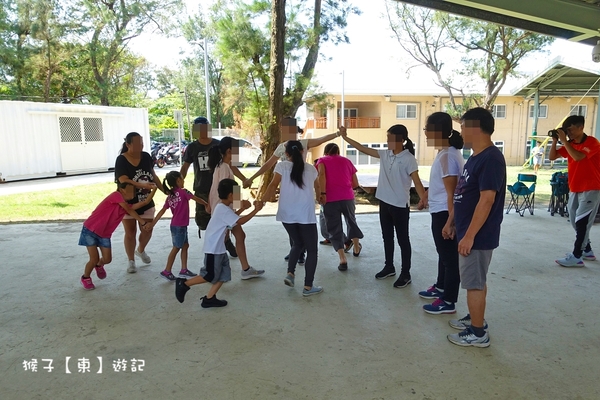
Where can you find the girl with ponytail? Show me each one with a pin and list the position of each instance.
(219, 162)
(296, 210)
(445, 170)
(178, 201)
(397, 170)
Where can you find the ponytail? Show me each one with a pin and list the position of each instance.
(128, 140)
(216, 153)
(408, 145)
(170, 182)
(293, 148)
(456, 140)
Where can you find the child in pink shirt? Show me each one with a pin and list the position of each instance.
(178, 201)
(99, 227)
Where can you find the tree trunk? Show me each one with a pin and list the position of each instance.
(272, 137)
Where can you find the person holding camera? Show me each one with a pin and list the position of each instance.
(583, 163)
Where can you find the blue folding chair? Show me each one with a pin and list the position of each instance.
(522, 197)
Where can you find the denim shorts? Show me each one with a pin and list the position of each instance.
(89, 238)
(179, 236)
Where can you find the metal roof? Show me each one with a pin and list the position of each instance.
(574, 20)
(563, 78)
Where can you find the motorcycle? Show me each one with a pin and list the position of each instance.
(168, 155)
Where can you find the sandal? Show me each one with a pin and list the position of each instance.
(359, 250)
(343, 266)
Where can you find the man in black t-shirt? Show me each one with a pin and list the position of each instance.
(197, 154)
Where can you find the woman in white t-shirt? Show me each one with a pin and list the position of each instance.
(296, 210)
(397, 170)
(445, 171)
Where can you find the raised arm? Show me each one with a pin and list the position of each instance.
(319, 141)
(266, 166)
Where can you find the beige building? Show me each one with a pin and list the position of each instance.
(368, 117)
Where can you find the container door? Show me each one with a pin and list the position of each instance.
(82, 146)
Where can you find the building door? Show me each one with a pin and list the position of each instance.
(82, 144)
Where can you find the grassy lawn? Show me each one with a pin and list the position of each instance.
(77, 202)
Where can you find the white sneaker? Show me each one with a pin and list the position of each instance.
(252, 273)
(131, 268)
(589, 255)
(570, 261)
(145, 257)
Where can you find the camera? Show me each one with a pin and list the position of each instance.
(553, 133)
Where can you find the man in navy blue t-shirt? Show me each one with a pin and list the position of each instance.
(478, 212)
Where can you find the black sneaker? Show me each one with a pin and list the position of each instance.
(343, 266)
(230, 248)
(402, 281)
(181, 289)
(385, 273)
(212, 302)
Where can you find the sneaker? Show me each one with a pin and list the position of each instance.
(439, 306)
(468, 338)
(100, 271)
(431, 293)
(385, 273)
(181, 289)
(131, 267)
(325, 242)
(87, 283)
(343, 266)
(464, 322)
(212, 302)
(402, 281)
(589, 255)
(145, 257)
(313, 290)
(287, 258)
(185, 273)
(230, 248)
(252, 273)
(570, 261)
(289, 280)
(302, 259)
(348, 245)
(167, 275)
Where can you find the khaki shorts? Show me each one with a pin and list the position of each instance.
(148, 214)
(473, 269)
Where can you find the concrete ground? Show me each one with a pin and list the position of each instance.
(360, 339)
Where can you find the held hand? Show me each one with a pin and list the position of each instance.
(322, 199)
(245, 204)
(258, 205)
(343, 131)
(420, 205)
(148, 226)
(207, 208)
(149, 185)
(464, 246)
(247, 183)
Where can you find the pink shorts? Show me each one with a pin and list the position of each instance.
(148, 214)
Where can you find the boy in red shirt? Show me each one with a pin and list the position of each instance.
(99, 227)
(583, 157)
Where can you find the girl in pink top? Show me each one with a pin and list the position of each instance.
(178, 201)
(99, 227)
(337, 179)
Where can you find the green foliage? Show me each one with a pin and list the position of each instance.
(241, 31)
(489, 51)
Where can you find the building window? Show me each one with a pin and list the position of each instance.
(359, 158)
(542, 111)
(500, 145)
(578, 110)
(499, 110)
(406, 111)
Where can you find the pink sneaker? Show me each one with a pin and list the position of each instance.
(87, 283)
(100, 271)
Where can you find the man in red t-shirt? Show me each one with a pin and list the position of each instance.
(583, 157)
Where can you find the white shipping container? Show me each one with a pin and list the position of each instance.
(47, 139)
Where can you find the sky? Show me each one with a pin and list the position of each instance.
(373, 62)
